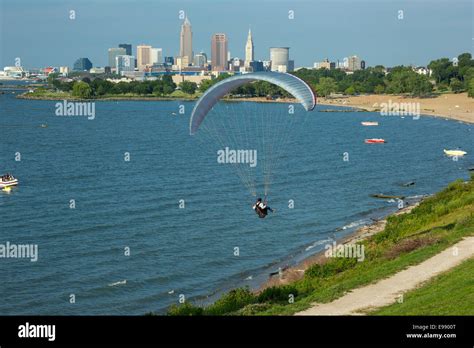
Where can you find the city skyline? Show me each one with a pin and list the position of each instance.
(413, 30)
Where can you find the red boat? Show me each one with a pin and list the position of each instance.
(374, 141)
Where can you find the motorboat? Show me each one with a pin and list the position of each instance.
(7, 180)
(454, 152)
(375, 141)
(369, 123)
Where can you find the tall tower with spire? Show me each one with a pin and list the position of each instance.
(249, 49)
(186, 40)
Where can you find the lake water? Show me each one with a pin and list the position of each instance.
(190, 251)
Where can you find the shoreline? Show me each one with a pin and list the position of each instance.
(451, 106)
(296, 272)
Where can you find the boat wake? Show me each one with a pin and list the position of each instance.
(121, 282)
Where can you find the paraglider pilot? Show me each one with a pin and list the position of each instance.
(261, 208)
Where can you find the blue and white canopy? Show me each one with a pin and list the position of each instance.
(292, 84)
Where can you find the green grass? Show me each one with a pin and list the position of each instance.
(41, 93)
(437, 223)
(451, 293)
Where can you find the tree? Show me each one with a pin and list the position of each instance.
(350, 90)
(158, 90)
(168, 85)
(379, 89)
(101, 87)
(124, 87)
(82, 90)
(143, 88)
(405, 80)
(441, 69)
(456, 85)
(465, 63)
(468, 75)
(420, 85)
(167, 89)
(326, 86)
(188, 87)
(52, 79)
(470, 90)
(66, 86)
(205, 85)
(442, 87)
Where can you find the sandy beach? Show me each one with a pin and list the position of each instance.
(453, 106)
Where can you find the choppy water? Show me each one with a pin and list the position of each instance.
(187, 251)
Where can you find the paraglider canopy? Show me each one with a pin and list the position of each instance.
(292, 84)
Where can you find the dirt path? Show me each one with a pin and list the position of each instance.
(386, 291)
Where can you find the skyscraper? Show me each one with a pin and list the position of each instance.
(143, 57)
(114, 52)
(128, 48)
(186, 40)
(200, 59)
(249, 55)
(124, 63)
(354, 63)
(169, 60)
(219, 52)
(156, 56)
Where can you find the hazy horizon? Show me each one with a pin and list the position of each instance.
(42, 34)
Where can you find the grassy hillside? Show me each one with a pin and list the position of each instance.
(451, 293)
(408, 239)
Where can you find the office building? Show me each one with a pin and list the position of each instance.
(97, 70)
(219, 45)
(200, 59)
(128, 48)
(325, 64)
(143, 57)
(181, 62)
(82, 64)
(354, 63)
(156, 56)
(257, 65)
(64, 70)
(186, 40)
(114, 52)
(124, 63)
(169, 60)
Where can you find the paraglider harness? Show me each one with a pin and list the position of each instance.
(262, 213)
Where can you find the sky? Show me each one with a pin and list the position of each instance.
(41, 33)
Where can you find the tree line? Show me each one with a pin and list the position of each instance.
(456, 76)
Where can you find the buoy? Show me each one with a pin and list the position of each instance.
(7, 189)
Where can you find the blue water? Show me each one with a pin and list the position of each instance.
(189, 251)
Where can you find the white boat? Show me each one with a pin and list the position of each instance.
(7, 181)
(367, 123)
(454, 152)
